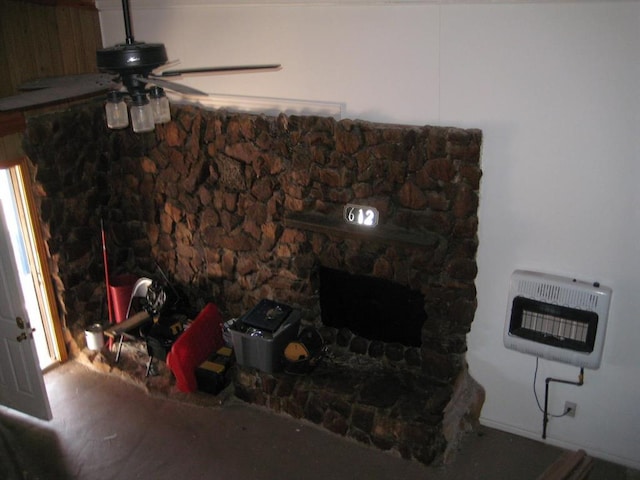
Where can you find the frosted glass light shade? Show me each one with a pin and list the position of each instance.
(160, 105)
(141, 114)
(116, 111)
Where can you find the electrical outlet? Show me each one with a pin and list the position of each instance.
(570, 408)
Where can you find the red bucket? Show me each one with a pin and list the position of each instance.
(120, 289)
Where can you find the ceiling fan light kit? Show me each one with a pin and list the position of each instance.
(116, 110)
(160, 105)
(141, 113)
(146, 111)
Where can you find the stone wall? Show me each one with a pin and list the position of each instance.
(238, 207)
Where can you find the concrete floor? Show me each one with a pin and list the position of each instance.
(107, 428)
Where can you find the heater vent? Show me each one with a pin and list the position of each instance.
(557, 318)
(556, 294)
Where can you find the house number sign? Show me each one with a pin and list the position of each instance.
(360, 215)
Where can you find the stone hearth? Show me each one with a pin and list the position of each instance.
(235, 208)
(381, 399)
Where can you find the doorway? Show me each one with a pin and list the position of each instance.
(28, 250)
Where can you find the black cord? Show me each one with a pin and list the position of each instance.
(535, 394)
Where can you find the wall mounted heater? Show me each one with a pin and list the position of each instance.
(557, 318)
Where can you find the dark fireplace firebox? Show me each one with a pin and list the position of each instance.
(375, 308)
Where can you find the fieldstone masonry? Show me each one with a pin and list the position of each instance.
(236, 207)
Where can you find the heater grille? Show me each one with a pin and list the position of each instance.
(557, 327)
(557, 318)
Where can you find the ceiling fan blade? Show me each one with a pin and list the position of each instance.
(227, 69)
(50, 95)
(175, 87)
(168, 64)
(98, 79)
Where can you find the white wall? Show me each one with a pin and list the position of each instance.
(555, 88)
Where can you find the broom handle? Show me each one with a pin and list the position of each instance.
(106, 270)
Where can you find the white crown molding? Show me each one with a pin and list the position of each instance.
(264, 105)
(104, 5)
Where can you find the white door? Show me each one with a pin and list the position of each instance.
(21, 382)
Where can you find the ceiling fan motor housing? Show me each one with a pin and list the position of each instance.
(137, 58)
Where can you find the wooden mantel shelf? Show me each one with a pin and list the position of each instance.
(381, 233)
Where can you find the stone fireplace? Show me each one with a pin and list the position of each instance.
(235, 208)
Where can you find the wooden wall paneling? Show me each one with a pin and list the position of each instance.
(29, 33)
(6, 86)
(91, 38)
(45, 41)
(10, 150)
(39, 41)
(15, 26)
(11, 122)
(26, 64)
(80, 37)
(67, 40)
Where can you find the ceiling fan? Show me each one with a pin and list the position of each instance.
(128, 72)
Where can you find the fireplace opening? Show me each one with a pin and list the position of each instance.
(374, 308)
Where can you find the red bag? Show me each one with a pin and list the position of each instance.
(199, 341)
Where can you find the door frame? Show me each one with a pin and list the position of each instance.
(37, 253)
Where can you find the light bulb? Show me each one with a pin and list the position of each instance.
(160, 105)
(116, 110)
(141, 113)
